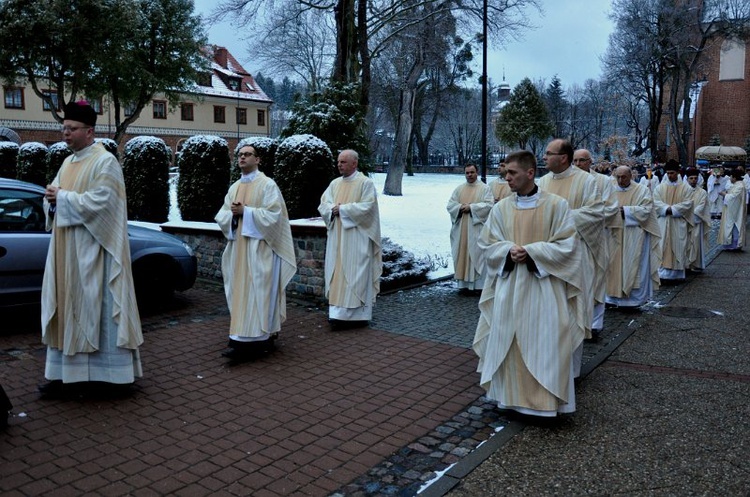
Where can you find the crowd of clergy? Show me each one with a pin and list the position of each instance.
(545, 254)
(588, 241)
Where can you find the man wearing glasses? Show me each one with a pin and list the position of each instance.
(258, 261)
(579, 189)
(90, 320)
(605, 187)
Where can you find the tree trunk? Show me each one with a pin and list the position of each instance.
(401, 143)
(364, 52)
(346, 68)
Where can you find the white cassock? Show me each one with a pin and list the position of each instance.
(714, 187)
(526, 356)
(500, 189)
(733, 217)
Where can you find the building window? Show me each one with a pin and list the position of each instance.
(96, 104)
(129, 109)
(186, 112)
(160, 109)
(261, 117)
(53, 95)
(241, 116)
(219, 114)
(13, 98)
(204, 79)
(234, 84)
(732, 60)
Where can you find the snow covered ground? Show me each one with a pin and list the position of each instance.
(417, 220)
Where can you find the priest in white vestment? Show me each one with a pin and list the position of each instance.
(673, 200)
(468, 208)
(258, 261)
(717, 183)
(734, 214)
(633, 272)
(610, 209)
(580, 190)
(499, 185)
(527, 328)
(701, 222)
(90, 320)
(353, 262)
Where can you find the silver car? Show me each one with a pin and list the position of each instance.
(162, 263)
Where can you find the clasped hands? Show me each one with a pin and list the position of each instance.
(518, 254)
(50, 194)
(237, 208)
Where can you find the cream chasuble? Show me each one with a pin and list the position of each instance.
(674, 228)
(698, 232)
(500, 189)
(580, 190)
(528, 327)
(353, 262)
(637, 249)
(258, 261)
(465, 229)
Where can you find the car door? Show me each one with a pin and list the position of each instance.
(23, 244)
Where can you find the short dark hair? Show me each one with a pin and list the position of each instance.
(567, 148)
(471, 165)
(523, 158)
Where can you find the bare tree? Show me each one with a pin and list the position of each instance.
(658, 46)
(295, 41)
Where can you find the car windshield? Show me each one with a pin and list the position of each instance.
(21, 211)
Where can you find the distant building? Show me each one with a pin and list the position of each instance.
(721, 100)
(227, 102)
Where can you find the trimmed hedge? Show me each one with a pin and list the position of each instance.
(304, 168)
(31, 164)
(204, 180)
(145, 167)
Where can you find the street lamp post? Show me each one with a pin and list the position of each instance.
(484, 91)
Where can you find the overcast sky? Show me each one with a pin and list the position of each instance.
(569, 40)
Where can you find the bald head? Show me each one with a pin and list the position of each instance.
(582, 159)
(623, 175)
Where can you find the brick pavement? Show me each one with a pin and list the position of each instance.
(306, 420)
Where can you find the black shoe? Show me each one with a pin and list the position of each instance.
(595, 336)
(51, 389)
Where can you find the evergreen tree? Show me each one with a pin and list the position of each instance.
(335, 116)
(524, 118)
(554, 98)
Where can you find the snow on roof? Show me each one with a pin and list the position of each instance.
(225, 68)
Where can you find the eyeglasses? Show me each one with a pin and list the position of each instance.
(246, 154)
(581, 160)
(547, 152)
(72, 129)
